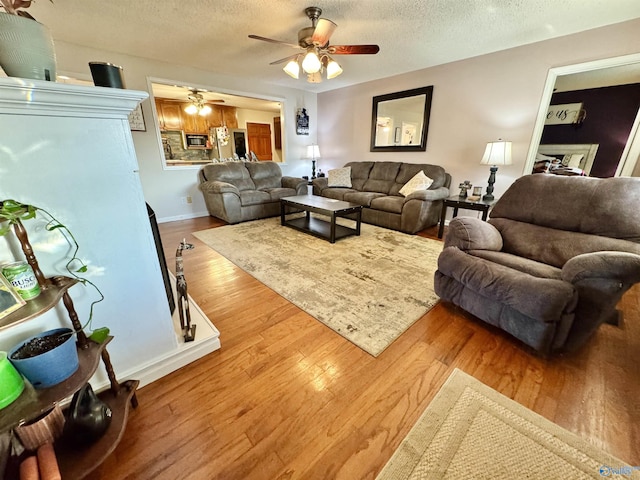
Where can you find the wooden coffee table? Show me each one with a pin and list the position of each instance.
(328, 230)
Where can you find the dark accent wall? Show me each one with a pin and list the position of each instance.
(611, 112)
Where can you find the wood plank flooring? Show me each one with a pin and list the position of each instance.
(287, 398)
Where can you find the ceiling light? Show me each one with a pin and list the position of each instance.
(314, 77)
(191, 109)
(197, 104)
(311, 62)
(292, 68)
(333, 69)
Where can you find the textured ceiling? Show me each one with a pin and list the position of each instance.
(212, 34)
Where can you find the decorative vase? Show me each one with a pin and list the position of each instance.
(88, 417)
(52, 366)
(26, 48)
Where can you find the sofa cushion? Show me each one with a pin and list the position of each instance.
(538, 298)
(553, 246)
(265, 174)
(359, 173)
(253, 197)
(562, 202)
(339, 177)
(525, 265)
(337, 193)
(276, 194)
(419, 182)
(362, 198)
(388, 203)
(234, 173)
(382, 177)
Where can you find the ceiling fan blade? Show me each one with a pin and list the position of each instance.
(353, 49)
(286, 59)
(323, 31)
(271, 40)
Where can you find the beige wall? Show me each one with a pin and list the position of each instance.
(474, 101)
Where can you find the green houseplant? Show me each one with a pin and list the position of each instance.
(26, 46)
(13, 212)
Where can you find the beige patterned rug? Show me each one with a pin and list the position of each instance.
(369, 289)
(470, 431)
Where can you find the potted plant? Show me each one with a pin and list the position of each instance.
(26, 46)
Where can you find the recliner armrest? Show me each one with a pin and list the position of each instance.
(620, 266)
(468, 233)
(216, 186)
(439, 193)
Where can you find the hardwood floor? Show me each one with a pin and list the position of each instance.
(287, 398)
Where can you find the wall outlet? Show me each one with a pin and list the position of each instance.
(189, 199)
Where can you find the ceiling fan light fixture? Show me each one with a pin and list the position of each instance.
(204, 110)
(314, 77)
(292, 68)
(333, 69)
(191, 109)
(311, 63)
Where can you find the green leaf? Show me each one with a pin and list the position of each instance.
(99, 335)
(82, 269)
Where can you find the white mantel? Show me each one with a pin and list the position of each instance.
(69, 149)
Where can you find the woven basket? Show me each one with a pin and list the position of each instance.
(42, 430)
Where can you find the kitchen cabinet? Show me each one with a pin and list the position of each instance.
(229, 117)
(169, 115)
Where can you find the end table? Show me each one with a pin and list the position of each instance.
(463, 202)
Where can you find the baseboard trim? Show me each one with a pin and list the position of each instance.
(183, 217)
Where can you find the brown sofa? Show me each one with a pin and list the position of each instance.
(376, 186)
(552, 262)
(240, 191)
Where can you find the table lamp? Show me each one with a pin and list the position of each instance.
(313, 152)
(496, 153)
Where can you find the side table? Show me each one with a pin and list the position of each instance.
(462, 202)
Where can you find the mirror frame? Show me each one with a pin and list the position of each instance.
(631, 151)
(428, 92)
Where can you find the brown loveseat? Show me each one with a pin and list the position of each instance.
(241, 191)
(553, 261)
(376, 186)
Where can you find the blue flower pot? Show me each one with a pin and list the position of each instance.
(51, 367)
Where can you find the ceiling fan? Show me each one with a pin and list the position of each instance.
(197, 102)
(314, 40)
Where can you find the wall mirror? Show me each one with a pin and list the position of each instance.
(607, 91)
(223, 128)
(400, 120)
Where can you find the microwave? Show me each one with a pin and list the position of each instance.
(196, 141)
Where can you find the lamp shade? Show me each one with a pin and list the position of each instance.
(313, 152)
(292, 68)
(311, 62)
(497, 153)
(333, 69)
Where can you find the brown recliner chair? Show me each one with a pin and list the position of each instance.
(552, 262)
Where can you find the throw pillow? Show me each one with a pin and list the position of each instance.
(339, 177)
(419, 182)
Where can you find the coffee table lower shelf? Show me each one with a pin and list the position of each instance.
(319, 228)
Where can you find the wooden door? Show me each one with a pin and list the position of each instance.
(259, 140)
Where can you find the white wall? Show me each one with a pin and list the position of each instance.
(163, 188)
(474, 101)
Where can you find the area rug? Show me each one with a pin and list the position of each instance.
(470, 431)
(368, 288)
